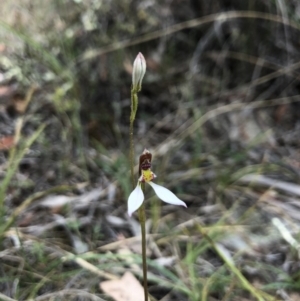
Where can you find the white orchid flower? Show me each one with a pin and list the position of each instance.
(136, 197)
(138, 72)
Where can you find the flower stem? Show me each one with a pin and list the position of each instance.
(142, 213)
(131, 154)
(142, 217)
(134, 105)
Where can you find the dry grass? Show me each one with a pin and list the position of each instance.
(220, 113)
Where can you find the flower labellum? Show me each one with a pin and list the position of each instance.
(136, 197)
(138, 72)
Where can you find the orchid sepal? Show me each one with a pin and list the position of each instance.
(166, 195)
(135, 199)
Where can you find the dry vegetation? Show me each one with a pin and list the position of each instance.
(220, 112)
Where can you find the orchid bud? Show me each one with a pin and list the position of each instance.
(138, 72)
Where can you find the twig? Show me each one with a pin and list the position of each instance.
(5, 298)
(286, 234)
(224, 16)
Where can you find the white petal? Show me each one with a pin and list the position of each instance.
(166, 195)
(138, 71)
(135, 199)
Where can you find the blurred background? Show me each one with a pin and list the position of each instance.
(219, 110)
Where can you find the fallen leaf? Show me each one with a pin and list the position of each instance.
(5, 91)
(295, 297)
(265, 181)
(2, 47)
(128, 288)
(21, 102)
(7, 142)
(57, 202)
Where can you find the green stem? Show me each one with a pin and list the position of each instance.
(142, 214)
(131, 154)
(142, 217)
(134, 104)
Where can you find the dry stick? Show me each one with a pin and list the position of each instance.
(6, 298)
(72, 292)
(292, 68)
(186, 129)
(87, 266)
(225, 16)
(185, 132)
(28, 201)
